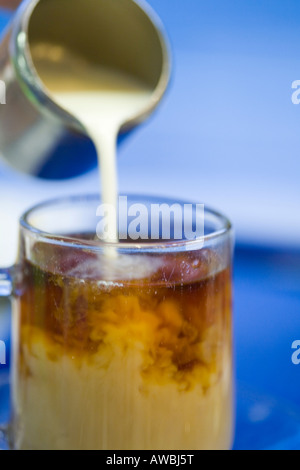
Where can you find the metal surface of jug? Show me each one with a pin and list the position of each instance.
(37, 136)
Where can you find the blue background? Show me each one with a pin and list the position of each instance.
(226, 134)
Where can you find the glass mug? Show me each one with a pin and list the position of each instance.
(126, 352)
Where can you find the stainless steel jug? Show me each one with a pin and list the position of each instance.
(36, 135)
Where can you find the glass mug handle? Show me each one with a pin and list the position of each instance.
(6, 289)
(5, 282)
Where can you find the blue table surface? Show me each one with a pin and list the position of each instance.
(267, 321)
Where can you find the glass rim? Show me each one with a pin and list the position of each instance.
(142, 246)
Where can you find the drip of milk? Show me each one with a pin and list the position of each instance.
(102, 99)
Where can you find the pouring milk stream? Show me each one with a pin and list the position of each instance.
(102, 99)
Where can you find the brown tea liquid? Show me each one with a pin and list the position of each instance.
(127, 363)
